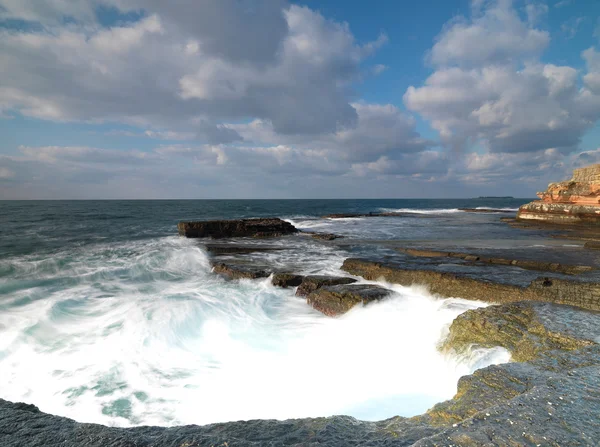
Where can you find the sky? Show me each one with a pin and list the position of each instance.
(236, 99)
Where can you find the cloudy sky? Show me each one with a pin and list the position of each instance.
(282, 99)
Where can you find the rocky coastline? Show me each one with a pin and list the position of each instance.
(549, 395)
(576, 201)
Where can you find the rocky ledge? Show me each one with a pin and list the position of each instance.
(585, 295)
(576, 201)
(524, 264)
(337, 300)
(239, 271)
(552, 399)
(217, 229)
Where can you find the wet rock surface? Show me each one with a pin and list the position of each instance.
(575, 293)
(313, 282)
(526, 329)
(525, 264)
(234, 249)
(553, 399)
(239, 271)
(287, 280)
(325, 236)
(217, 229)
(337, 300)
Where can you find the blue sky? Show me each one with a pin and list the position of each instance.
(277, 99)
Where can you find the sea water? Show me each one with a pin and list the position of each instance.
(107, 316)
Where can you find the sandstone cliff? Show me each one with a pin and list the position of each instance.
(576, 201)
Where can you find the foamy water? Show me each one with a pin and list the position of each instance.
(135, 333)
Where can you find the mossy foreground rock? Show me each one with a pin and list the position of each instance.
(526, 329)
(218, 229)
(575, 293)
(337, 300)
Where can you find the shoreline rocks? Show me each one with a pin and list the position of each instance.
(524, 264)
(218, 229)
(576, 201)
(313, 282)
(325, 236)
(550, 400)
(231, 249)
(286, 280)
(585, 295)
(337, 300)
(525, 328)
(236, 271)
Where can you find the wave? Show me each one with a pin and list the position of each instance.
(420, 211)
(142, 333)
(496, 209)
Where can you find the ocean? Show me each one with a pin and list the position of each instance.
(108, 316)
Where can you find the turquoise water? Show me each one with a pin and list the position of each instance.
(106, 315)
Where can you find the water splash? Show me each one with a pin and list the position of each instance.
(142, 332)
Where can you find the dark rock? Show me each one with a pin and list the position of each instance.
(524, 264)
(337, 300)
(286, 280)
(325, 236)
(236, 271)
(231, 249)
(313, 282)
(593, 245)
(561, 291)
(217, 229)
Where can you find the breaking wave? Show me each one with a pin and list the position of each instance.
(138, 333)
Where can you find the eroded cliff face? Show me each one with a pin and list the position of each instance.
(576, 201)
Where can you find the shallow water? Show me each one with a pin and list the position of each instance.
(107, 316)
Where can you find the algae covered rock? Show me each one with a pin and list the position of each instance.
(526, 329)
(313, 282)
(286, 280)
(337, 300)
(235, 271)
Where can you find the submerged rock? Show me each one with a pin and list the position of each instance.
(231, 249)
(236, 271)
(337, 300)
(257, 228)
(313, 282)
(325, 236)
(287, 280)
(561, 291)
(524, 264)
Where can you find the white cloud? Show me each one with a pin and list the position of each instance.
(496, 36)
(498, 94)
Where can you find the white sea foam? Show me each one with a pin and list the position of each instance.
(144, 333)
(496, 209)
(420, 211)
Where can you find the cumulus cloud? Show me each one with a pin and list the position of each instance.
(490, 88)
(184, 63)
